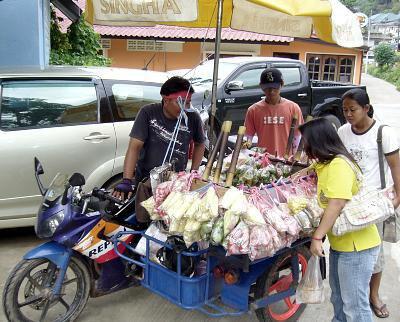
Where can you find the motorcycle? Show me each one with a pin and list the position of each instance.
(54, 280)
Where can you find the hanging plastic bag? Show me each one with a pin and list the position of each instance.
(311, 289)
(239, 240)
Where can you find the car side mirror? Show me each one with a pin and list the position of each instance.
(234, 86)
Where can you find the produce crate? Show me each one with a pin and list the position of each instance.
(188, 292)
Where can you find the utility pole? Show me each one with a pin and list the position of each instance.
(369, 35)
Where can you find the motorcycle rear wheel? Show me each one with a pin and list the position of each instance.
(26, 292)
(277, 279)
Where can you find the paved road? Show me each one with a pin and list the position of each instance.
(139, 305)
(385, 100)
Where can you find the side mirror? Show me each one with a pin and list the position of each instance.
(38, 167)
(234, 86)
(76, 180)
(39, 171)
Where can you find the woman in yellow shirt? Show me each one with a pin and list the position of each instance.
(352, 256)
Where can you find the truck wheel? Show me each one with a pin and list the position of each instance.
(276, 279)
(26, 294)
(334, 120)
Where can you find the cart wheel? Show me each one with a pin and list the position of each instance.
(278, 278)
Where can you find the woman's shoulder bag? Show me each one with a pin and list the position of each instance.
(368, 206)
(391, 226)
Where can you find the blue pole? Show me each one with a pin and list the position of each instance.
(24, 33)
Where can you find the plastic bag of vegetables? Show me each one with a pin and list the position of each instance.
(297, 203)
(315, 211)
(252, 216)
(210, 202)
(217, 234)
(239, 206)
(170, 201)
(180, 209)
(191, 236)
(303, 219)
(231, 219)
(229, 197)
(260, 243)
(162, 192)
(274, 217)
(194, 207)
(205, 230)
(149, 205)
(238, 240)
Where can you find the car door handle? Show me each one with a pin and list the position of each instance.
(302, 95)
(96, 136)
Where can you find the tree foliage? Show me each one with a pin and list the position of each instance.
(373, 6)
(384, 55)
(80, 46)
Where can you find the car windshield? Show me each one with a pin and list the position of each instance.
(203, 74)
(56, 188)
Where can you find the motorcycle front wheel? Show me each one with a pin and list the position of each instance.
(27, 294)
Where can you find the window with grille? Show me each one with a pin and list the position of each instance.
(345, 70)
(105, 43)
(331, 67)
(314, 65)
(145, 45)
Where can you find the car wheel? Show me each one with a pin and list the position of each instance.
(112, 183)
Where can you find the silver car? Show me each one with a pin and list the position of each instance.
(73, 120)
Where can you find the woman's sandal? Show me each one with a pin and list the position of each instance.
(380, 312)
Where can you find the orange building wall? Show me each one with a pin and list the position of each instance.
(163, 61)
(306, 47)
(191, 55)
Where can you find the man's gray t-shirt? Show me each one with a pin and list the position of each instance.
(154, 129)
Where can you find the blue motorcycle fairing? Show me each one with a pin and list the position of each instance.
(53, 251)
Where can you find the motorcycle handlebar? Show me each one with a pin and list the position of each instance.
(104, 195)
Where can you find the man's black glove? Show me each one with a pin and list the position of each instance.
(126, 186)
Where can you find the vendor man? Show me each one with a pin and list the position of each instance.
(152, 132)
(271, 118)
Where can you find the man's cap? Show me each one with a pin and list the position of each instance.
(271, 78)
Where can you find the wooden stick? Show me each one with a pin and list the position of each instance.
(235, 156)
(221, 155)
(291, 137)
(299, 151)
(300, 148)
(211, 157)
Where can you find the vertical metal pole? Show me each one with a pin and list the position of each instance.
(369, 34)
(215, 74)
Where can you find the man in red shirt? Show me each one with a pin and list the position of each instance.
(271, 118)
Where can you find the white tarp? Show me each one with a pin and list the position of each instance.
(252, 17)
(346, 31)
